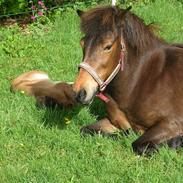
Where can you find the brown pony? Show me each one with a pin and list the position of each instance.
(146, 93)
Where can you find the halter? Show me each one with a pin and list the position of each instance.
(103, 84)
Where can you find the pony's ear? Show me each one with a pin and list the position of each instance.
(125, 11)
(80, 13)
(128, 9)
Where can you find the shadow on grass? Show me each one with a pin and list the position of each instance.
(60, 117)
(98, 109)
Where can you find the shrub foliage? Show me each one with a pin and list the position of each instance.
(18, 6)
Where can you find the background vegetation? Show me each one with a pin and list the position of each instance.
(36, 145)
(18, 6)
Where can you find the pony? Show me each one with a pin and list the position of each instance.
(136, 73)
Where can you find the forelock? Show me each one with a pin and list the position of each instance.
(99, 20)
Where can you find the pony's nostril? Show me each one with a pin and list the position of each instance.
(81, 95)
(75, 94)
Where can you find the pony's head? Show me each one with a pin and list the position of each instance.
(108, 31)
(101, 44)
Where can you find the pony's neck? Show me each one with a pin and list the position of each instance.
(139, 40)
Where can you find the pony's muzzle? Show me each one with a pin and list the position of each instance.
(80, 96)
(85, 87)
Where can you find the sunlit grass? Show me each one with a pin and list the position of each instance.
(37, 145)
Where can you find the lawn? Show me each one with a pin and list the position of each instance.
(36, 145)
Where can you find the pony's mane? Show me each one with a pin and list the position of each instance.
(98, 21)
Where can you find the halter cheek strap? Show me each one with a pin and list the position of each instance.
(92, 72)
(102, 84)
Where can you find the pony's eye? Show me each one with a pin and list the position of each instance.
(108, 47)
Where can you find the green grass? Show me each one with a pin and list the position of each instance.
(37, 146)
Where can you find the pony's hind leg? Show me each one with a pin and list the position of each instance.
(162, 132)
(46, 92)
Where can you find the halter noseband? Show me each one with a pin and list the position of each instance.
(102, 84)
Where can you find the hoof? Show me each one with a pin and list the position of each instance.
(144, 149)
(175, 142)
(88, 131)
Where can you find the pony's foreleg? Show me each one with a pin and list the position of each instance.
(161, 132)
(46, 92)
(114, 122)
(116, 116)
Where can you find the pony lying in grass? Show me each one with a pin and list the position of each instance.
(140, 73)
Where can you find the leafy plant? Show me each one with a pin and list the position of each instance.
(13, 6)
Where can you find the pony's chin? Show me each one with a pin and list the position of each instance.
(88, 102)
(90, 98)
